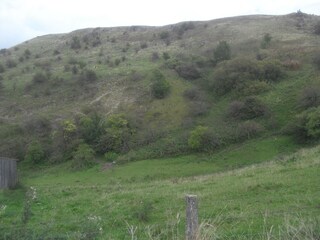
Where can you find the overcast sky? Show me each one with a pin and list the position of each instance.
(21, 20)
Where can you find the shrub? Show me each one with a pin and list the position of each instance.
(316, 60)
(306, 126)
(35, 153)
(164, 35)
(27, 53)
(88, 76)
(266, 40)
(222, 52)
(250, 108)
(155, 56)
(250, 88)
(248, 130)
(188, 71)
(316, 29)
(201, 139)
(313, 123)
(165, 55)
(11, 63)
(2, 69)
(192, 94)
(143, 45)
(272, 71)
(83, 157)
(231, 74)
(75, 43)
(292, 64)
(39, 77)
(310, 97)
(160, 87)
(198, 108)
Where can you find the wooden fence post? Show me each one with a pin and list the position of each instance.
(8, 173)
(192, 217)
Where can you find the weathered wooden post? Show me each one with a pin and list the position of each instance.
(8, 173)
(192, 217)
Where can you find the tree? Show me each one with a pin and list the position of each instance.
(317, 28)
(222, 52)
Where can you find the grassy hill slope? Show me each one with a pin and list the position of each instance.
(278, 199)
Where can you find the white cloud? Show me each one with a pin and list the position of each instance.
(24, 19)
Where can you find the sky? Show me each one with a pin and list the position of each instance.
(21, 20)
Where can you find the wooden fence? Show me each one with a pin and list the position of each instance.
(8, 173)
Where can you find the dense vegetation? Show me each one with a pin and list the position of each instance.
(96, 97)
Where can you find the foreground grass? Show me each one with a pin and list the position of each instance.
(145, 200)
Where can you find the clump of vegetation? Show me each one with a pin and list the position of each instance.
(39, 77)
(83, 157)
(248, 109)
(266, 41)
(202, 139)
(222, 52)
(11, 63)
(160, 87)
(188, 71)
(248, 130)
(306, 126)
(309, 97)
(35, 153)
(2, 69)
(316, 28)
(88, 76)
(316, 60)
(75, 43)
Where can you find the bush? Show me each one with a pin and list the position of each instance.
(316, 60)
(160, 87)
(39, 78)
(306, 126)
(83, 157)
(222, 52)
(266, 40)
(11, 63)
(2, 69)
(316, 29)
(75, 43)
(250, 88)
(250, 108)
(88, 76)
(310, 97)
(35, 153)
(248, 130)
(231, 74)
(192, 94)
(201, 139)
(272, 71)
(188, 71)
(198, 108)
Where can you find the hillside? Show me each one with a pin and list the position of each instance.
(165, 82)
(130, 119)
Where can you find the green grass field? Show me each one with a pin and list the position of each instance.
(257, 199)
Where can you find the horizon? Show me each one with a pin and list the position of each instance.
(21, 21)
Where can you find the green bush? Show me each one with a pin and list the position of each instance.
(75, 43)
(316, 29)
(88, 76)
(309, 97)
(248, 130)
(306, 126)
(2, 69)
(160, 87)
(272, 71)
(188, 71)
(83, 157)
(11, 63)
(35, 153)
(39, 77)
(230, 74)
(266, 40)
(248, 109)
(202, 139)
(316, 60)
(222, 52)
